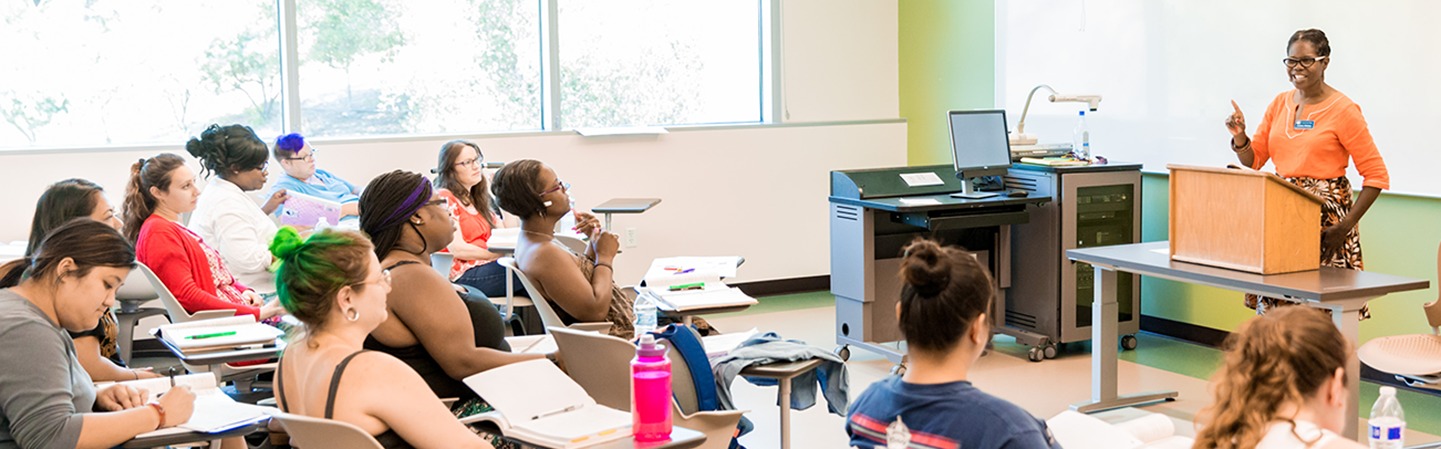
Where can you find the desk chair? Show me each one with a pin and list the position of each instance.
(606, 377)
(441, 262)
(1415, 358)
(548, 317)
(318, 433)
(135, 292)
(243, 376)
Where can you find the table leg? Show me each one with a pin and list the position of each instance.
(1346, 316)
(1104, 324)
(785, 403)
(607, 220)
(687, 320)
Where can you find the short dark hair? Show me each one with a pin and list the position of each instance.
(287, 146)
(87, 242)
(222, 149)
(62, 201)
(943, 290)
(516, 190)
(1316, 37)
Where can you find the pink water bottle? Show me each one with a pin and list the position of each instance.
(650, 391)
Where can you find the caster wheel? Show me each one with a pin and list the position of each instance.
(1050, 351)
(1128, 342)
(844, 352)
(898, 370)
(1036, 354)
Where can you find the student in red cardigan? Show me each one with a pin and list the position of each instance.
(160, 189)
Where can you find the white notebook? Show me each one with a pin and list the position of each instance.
(537, 403)
(214, 411)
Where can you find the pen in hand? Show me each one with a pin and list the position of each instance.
(171, 372)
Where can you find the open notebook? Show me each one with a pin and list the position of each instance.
(536, 403)
(1146, 430)
(215, 412)
(219, 334)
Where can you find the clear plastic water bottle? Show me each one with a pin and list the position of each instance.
(321, 224)
(1081, 139)
(645, 314)
(1388, 422)
(650, 393)
(566, 224)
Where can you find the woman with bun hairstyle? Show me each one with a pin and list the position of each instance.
(47, 399)
(442, 337)
(944, 315)
(63, 201)
(235, 159)
(161, 188)
(333, 282)
(1282, 385)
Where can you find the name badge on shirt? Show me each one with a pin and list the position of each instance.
(1305, 124)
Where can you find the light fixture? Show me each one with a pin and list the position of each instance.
(1019, 136)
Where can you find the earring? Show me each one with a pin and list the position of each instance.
(548, 203)
(353, 315)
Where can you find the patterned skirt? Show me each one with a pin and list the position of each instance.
(1336, 199)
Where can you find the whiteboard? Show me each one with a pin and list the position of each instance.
(1167, 70)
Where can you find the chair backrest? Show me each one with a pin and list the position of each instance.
(172, 306)
(317, 433)
(575, 244)
(442, 262)
(136, 288)
(548, 317)
(599, 363)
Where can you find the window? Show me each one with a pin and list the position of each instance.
(659, 62)
(134, 72)
(390, 67)
(157, 72)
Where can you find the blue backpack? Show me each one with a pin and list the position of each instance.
(687, 342)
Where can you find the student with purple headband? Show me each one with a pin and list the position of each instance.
(298, 160)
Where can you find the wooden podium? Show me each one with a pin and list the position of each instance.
(1243, 219)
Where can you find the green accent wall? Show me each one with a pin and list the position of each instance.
(1399, 235)
(947, 61)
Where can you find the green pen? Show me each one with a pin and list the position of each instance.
(690, 286)
(204, 336)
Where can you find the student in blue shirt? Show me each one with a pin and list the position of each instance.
(301, 176)
(945, 297)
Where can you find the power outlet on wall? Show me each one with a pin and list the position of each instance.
(630, 240)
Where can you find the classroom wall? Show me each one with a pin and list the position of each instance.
(947, 61)
(757, 191)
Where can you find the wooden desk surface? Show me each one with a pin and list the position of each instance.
(1325, 284)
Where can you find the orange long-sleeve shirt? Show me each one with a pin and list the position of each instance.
(1339, 133)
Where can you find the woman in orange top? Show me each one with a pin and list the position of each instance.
(1309, 133)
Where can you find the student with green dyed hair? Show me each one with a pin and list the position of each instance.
(333, 282)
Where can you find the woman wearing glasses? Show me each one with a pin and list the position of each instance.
(1309, 133)
(460, 178)
(297, 158)
(226, 216)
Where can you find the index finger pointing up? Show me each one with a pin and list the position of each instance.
(1234, 105)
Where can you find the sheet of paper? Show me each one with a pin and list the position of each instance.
(667, 271)
(719, 345)
(920, 201)
(922, 179)
(532, 344)
(701, 299)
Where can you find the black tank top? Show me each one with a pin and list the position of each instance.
(388, 439)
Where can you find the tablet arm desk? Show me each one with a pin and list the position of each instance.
(875, 213)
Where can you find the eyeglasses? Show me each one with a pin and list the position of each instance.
(307, 158)
(559, 185)
(439, 202)
(472, 163)
(1305, 63)
(384, 279)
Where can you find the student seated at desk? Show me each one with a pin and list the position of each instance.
(333, 283)
(227, 217)
(581, 287)
(460, 178)
(945, 296)
(1282, 385)
(64, 201)
(301, 176)
(46, 399)
(161, 188)
(429, 327)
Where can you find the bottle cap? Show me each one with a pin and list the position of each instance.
(1388, 391)
(649, 347)
(1083, 112)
